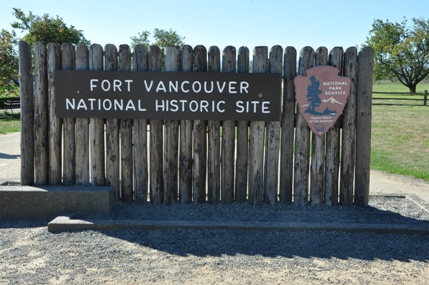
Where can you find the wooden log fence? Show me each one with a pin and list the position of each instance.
(170, 161)
(406, 98)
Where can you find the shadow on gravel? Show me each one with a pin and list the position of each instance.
(272, 243)
(341, 245)
(23, 223)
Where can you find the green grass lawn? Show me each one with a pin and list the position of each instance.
(400, 140)
(9, 122)
(397, 87)
(400, 132)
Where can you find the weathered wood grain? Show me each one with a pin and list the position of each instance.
(96, 127)
(185, 155)
(156, 144)
(256, 144)
(273, 137)
(171, 63)
(126, 129)
(199, 136)
(333, 143)
(27, 113)
(82, 126)
(317, 166)
(112, 129)
(55, 123)
(69, 162)
(363, 125)
(302, 139)
(228, 135)
(288, 126)
(41, 142)
(141, 179)
(213, 162)
(242, 138)
(349, 130)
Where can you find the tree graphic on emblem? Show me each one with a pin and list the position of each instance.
(314, 101)
(313, 97)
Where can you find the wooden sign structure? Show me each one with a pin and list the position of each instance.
(167, 95)
(321, 96)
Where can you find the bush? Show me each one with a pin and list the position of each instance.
(9, 90)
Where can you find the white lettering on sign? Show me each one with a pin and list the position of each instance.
(329, 83)
(232, 87)
(202, 106)
(106, 104)
(243, 87)
(246, 107)
(161, 87)
(106, 85)
(116, 85)
(92, 84)
(148, 87)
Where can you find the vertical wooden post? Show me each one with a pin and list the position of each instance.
(363, 125)
(349, 131)
(112, 129)
(41, 143)
(126, 127)
(213, 163)
(425, 98)
(55, 128)
(140, 63)
(273, 137)
(333, 143)
(96, 127)
(228, 135)
(185, 156)
(171, 64)
(82, 126)
(317, 168)
(242, 138)
(256, 145)
(302, 140)
(156, 146)
(67, 62)
(288, 126)
(27, 114)
(200, 141)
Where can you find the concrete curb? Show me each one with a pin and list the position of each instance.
(64, 223)
(19, 202)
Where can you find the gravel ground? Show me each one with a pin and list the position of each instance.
(32, 255)
(29, 254)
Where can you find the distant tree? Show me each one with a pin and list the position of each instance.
(46, 29)
(141, 39)
(8, 59)
(162, 38)
(400, 51)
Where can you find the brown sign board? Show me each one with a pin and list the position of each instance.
(321, 97)
(167, 95)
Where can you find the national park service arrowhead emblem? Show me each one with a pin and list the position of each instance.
(321, 96)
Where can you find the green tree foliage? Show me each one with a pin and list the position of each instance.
(8, 61)
(46, 29)
(141, 39)
(401, 51)
(162, 38)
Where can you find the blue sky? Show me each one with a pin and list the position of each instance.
(226, 22)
